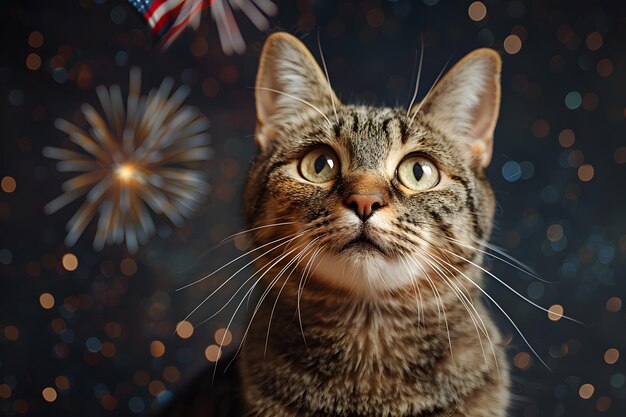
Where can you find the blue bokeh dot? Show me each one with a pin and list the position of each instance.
(93, 344)
(136, 405)
(511, 171)
(573, 100)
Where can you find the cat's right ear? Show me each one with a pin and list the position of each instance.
(466, 102)
(289, 82)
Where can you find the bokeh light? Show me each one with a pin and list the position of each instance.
(8, 184)
(46, 300)
(49, 394)
(477, 11)
(512, 44)
(69, 261)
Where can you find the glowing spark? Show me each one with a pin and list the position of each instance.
(125, 172)
(133, 159)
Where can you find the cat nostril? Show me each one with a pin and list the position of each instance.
(364, 204)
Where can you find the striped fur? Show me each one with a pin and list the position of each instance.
(396, 329)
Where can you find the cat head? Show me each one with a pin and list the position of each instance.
(371, 199)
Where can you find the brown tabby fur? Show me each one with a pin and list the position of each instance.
(360, 331)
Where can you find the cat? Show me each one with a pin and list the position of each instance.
(367, 223)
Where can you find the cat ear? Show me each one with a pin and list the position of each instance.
(466, 103)
(289, 82)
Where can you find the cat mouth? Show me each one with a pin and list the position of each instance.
(363, 243)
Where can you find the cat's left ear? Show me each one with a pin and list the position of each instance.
(466, 103)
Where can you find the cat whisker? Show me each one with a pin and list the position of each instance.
(465, 299)
(509, 287)
(301, 283)
(419, 74)
(236, 259)
(421, 319)
(520, 267)
(330, 88)
(503, 253)
(519, 331)
(297, 99)
(267, 269)
(243, 232)
(225, 240)
(439, 301)
(296, 260)
(512, 261)
(248, 293)
(421, 103)
(237, 272)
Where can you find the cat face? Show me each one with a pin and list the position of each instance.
(370, 199)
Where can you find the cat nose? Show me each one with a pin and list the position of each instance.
(365, 204)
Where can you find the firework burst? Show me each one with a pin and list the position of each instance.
(222, 12)
(133, 160)
(227, 28)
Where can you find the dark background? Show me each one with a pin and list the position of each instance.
(95, 347)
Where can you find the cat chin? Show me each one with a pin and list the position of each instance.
(365, 271)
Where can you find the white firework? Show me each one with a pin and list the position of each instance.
(227, 28)
(222, 13)
(133, 160)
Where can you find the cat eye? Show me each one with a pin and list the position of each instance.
(418, 173)
(320, 165)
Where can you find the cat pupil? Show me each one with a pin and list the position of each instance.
(320, 163)
(418, 171)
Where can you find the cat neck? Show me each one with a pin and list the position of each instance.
(323, 337)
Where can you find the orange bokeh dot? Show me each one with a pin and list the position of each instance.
(512, 44)
(33, 61)
(35, 39)
(5, 391)
(603, 403)
(594, 41)
(522, 360)
(108, 349)
(171, 374)
(614, 304)
(223, 337)
(62, 382)
(585, 172)
(128, 267)
(604, 67)
(477, 11)
(157, 348)
(108, 402)
(619, 155)
(69, 261)
(212, 353)
(567, 138)
(555, 312)
(46, 300)
(375, 18)
(12, 333)
(184, 329)
(156, 387)
(8, 184)
(611, 356)
(49, 394)
(586, 391)
(21, 406)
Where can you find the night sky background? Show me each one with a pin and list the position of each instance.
(92, 333)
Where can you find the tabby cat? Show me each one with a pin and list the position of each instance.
(373, 306)
(369, 222)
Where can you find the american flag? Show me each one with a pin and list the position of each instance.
(168, 18)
